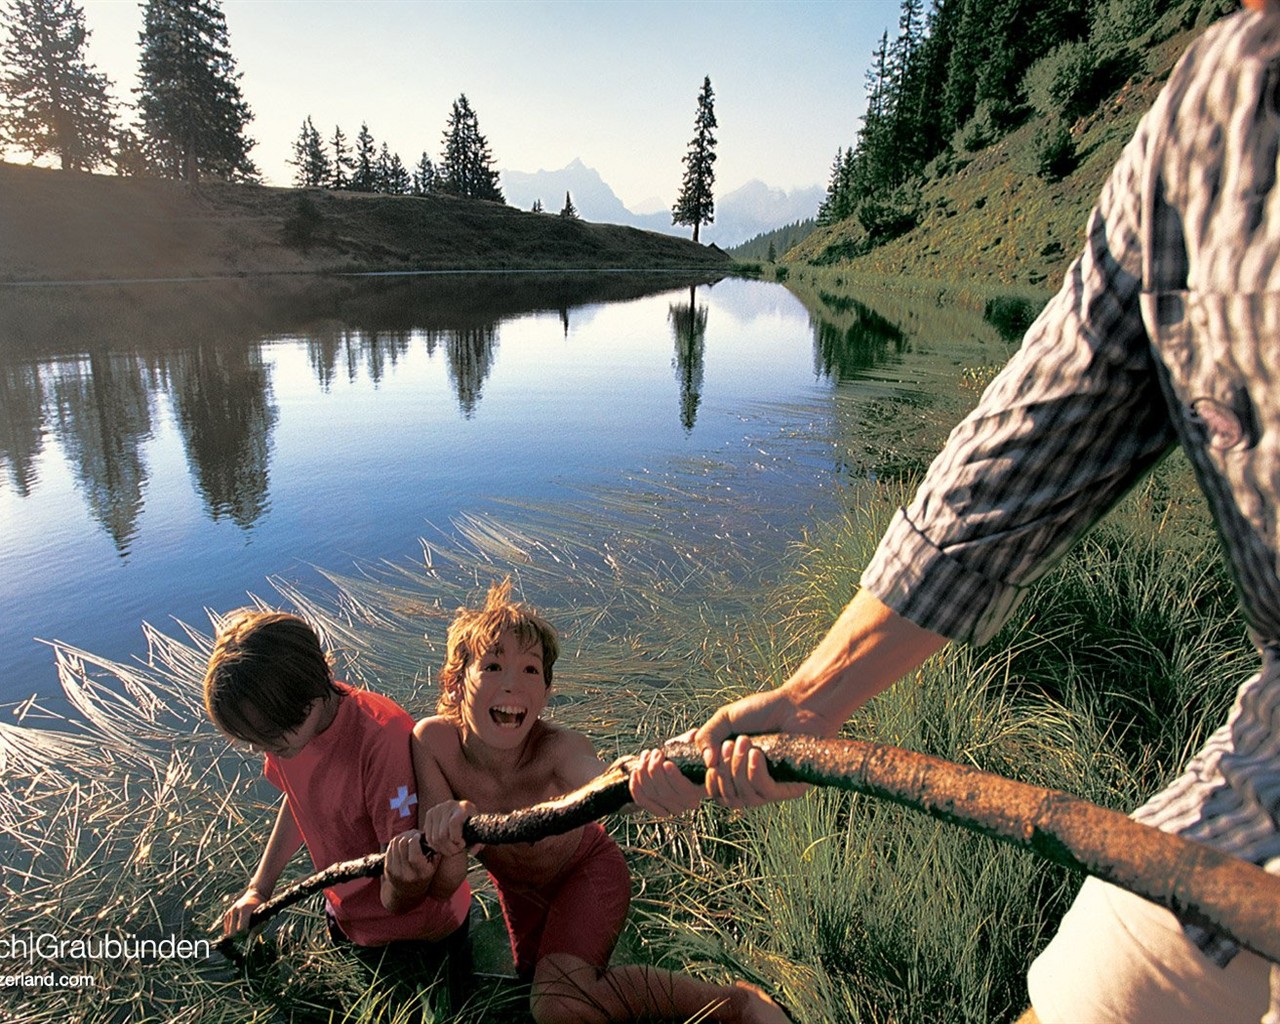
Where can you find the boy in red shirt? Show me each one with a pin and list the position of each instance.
(341, 757)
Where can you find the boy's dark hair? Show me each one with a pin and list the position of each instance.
(264, 672)
(475, 630)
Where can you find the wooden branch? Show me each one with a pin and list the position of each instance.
(1198, 883)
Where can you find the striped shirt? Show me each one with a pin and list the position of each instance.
(1166, 331)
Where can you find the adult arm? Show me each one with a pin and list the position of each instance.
(868, 649)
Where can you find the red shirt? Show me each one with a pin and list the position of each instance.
(350, 790)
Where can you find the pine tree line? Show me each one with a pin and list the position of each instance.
(770, 245)
(957, 79)
(465, 167)
(190, 116)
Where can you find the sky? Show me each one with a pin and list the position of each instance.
(613, 83)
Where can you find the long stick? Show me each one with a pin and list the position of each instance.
(1198, 883)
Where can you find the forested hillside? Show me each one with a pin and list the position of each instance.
(990, 127)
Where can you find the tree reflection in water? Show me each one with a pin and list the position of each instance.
(689, 325)
(87, 365)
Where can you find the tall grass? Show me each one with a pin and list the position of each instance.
(673, 595)
(1112, 671)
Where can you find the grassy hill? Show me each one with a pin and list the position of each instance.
(992, 222)
(58, 225)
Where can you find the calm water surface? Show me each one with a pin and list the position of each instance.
(169, 449)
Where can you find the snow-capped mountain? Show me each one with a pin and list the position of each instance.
(739, 215)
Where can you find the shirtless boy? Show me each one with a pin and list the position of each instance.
(564, 898)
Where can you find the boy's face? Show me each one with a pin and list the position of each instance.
(504, 691)
(290, 743)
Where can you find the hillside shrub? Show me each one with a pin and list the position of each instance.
(1058, 84)
(990, 122)
(1118, 24)
(301, 228)
(838, 252)
(886, 217)
(1010, 315)
(1054, 153)
(1074, 78)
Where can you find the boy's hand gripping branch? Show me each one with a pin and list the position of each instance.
(1199, 884)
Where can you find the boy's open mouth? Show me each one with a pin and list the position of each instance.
(508, 717)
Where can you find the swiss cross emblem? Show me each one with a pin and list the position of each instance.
(403, 800)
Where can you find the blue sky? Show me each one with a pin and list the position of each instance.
(612, 82)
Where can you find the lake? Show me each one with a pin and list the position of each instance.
(171, 448)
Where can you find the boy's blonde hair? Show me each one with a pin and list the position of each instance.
(264, 672)
(475, 630)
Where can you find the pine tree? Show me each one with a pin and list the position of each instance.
(828, 209)
(310, 158)
(396, 178)
(871, 164)
(696, 204)
(569, 212)
(193, 115)
(55, 102)
(466, 166)
(959, 96)
(904, 127)
(342, 163)
(383, 175)
(364, 173)
(424, 176)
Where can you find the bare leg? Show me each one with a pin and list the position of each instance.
(1029, 1017)
(567, 990)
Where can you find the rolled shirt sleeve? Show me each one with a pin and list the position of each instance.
(1073, 421)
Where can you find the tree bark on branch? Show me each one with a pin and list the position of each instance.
(1198, 883)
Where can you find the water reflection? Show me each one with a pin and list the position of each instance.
(223, 435)
(222, 398)
(470, 355)
(86, 366)
(332, 346)
(21, 439)
(100, 405)
(689, 325)
(101, 411)
(849, 338)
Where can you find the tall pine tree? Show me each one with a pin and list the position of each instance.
(310, 158)
(696, 204)
(466, 166)
(364, 172)
(342, 163)
(54, 101)
(193, 116)
(424, 176)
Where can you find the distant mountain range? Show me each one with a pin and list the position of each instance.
(740, 215)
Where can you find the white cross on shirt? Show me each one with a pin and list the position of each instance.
(403, 800)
